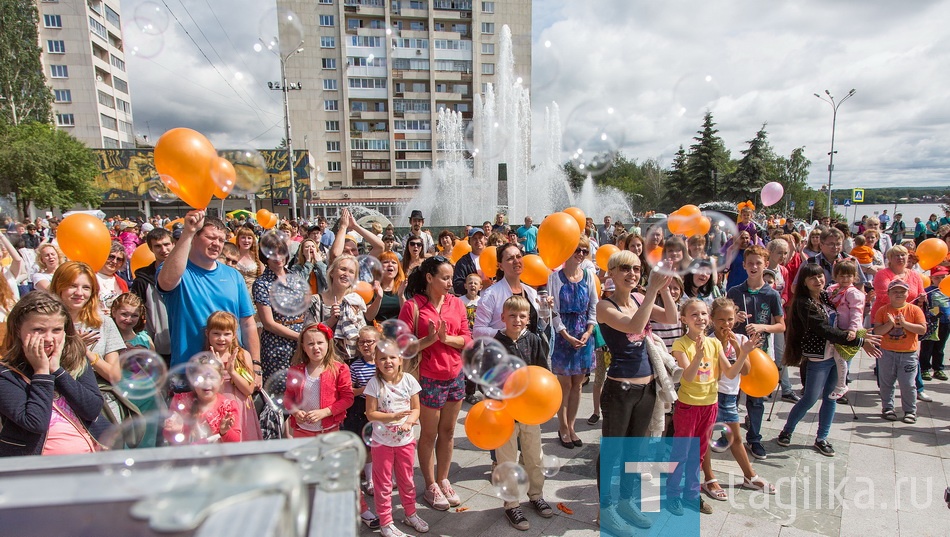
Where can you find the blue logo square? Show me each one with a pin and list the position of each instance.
(649, 486)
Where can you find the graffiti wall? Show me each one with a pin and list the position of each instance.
(126, 173)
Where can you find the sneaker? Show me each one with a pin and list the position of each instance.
(926, 375)
(940, 375)
(784, 439)
(675, 506)
(474, 399)
(924, 396)
(758, 451)
(705, 508)
(390, 530)
(631, 513)
(449, 493)
(516, 518)
(416, 522)
(791, 397)
(542, 507)
(434, 497)
(371, 523)
(824, 447)
(593, 419)
(611, 521)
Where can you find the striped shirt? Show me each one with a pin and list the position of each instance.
(361, 372)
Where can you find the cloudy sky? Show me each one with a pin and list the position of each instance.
(656, 65)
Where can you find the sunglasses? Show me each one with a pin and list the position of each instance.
(628, 269)
(415, 245)
(583, 251)
(114, 257)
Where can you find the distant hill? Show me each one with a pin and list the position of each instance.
(902, 194)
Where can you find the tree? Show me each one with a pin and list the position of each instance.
(654, 185)
(22, 84)
(754, 170)
(708, 160)
(678, 184)
(793, 174)
(47, 167)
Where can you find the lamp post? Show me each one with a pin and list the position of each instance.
(834, 118)
(284, 87)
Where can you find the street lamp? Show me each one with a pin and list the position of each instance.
(831, 154)
(284, 87)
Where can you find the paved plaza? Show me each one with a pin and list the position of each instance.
(887, 478)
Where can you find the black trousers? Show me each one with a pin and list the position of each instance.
(627, 410)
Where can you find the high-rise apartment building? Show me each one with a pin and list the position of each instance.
(84, 64)
(375, 73)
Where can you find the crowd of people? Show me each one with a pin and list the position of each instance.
(666, 340)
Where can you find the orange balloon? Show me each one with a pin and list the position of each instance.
(224, 177)
(141, 257)
(763, 378)
(488, 261)
(488, 426)
(945, 286)
(703, 226)
(579, 216)
(263, 215)
(83, 237)
(926, 280)
(460, 249)
(185, 158)
(931, 253)
(274, 219)
(654, 256)
(677, 223)
(171, 224)
(365, 290)
(603, 255)
(535, 273)
(689, 210)
(541, 398)
(557, 239)
(600, 290)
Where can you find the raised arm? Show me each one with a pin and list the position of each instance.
(174, 266)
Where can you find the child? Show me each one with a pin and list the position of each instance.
(473, 284)
(700, 282)
(240, 379)
(521, 342)
(670, 332)
(900, 323)
(204, 415)
(392, 399)
(674, 255)
(736, 347)
(864, 254)
(362, 369)
(128, 312)
(848, 301)
(932, 349)
(48, 393)
(704, 362)
(318, 384)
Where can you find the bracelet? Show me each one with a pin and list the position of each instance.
(256, 362)
(95, 359)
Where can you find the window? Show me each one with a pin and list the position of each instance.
(411, 105)
(413, 145)
(96, 6)
(460, 28)
(333, 126)
(417, 4)
(326, 20)
(418, 26)
(62, 96)
(488, 7)
(110, 143)
(123, 106)
(413, 164)
(328, 63)
(453, 44)
(411, 64)
(333, 147)
(360, 61)
(488, 48)
(331, 105)
(126, 127)
(98, 29)
(113, 17)
(488, 68)
(488, 27)
(108, 122)
(410, 42)
(461, 89)
(334, 166)
(368, 83)
(65, 120)
(354, 24)
(359, 144)
(106, 100)
(116, 62)
(121, 85)
(328, 2)
(420, 87)
(371, 165)
(330, 84)
(461, 66)
(54, 46)
(53, 21)
(327, 41)
(59, 71)
(366, 41)
(412, 125)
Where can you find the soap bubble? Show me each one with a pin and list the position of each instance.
(387, 347)
(144, 33)
(408, 346)
(485, 361)
(250, 171)
(510, 481)
(153, 16)
(204, 371)
(668, 260)
(282, 381)
(393, 328)
(274, 242)
(158, 189)
(143, 373)
(290, 295)
(371, 432)
(594, 132)
(283, 37)
(550, 465)
(694, 94)
(720, 438)
(370, 269)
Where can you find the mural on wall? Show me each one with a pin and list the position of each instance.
(127, 173)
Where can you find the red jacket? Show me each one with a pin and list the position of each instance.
(335, 394)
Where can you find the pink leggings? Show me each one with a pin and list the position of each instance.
(387, 460)
(690, 421)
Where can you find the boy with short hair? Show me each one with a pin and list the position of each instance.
(932, 348)
(759, 311)
(521, 342)
(900, 323)
(473, 284)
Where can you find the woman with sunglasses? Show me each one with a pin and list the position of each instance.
(110, 284)
(574, 290)
(414, 254)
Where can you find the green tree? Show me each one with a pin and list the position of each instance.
(677, 184)
(793, 174)
(708, 162)
(753, 171)
(25, 96)
(47, 167)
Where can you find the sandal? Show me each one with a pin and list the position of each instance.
(910, 417)
(889, 415)
(759, 484)
(716, 494)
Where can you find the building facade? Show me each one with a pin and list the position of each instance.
(84, 63)
(374, 75)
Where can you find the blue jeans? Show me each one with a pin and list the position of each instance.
(820, 381)
(755, 406)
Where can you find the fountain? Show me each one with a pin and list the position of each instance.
(461, 190)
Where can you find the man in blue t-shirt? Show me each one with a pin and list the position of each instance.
(759, 309)
(193, 286)
(528, 235)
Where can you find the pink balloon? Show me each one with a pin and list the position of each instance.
(772, 193)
